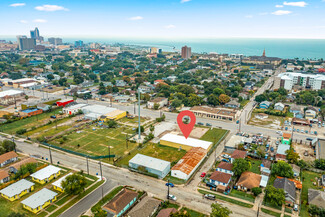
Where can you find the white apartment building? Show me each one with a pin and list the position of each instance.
(290, 79)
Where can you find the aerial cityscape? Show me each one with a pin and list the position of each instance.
(126, 109)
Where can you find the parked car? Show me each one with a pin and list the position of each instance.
(210, 196)
(306, 131)
(171, 197)
(211, 185)
(295, 207)
(170, 184)
(309, 139)
(315, 132)
(225, 156)
(203, 175)
(208, 125)
(53, 116)
(298, 130)
(200, 123)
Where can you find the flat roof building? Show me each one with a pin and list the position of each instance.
(17, 189)
(177, 141)
(153, 165)
(187, 165)
(215, 113)
(46, 174)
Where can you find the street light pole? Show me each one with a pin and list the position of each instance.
(13, 140)
(168, 191)
(87, 164)
(50, 154)
(101, 171)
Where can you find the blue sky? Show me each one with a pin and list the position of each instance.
(165, 18)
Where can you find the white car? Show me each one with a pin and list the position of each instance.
(172, 197)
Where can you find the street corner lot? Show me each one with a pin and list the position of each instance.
(301, 149)
(273, 122)
(96, 140)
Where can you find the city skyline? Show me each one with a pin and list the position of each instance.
(168, 19)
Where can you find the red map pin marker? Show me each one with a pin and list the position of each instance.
(186, 128)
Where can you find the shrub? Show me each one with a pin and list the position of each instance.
(21, 131)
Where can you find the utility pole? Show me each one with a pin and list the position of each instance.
(13, 140)
(109, 152)
(101, 176)
(168, 191)
(126, 141)
(87, 164)
(139, 128)
(50, 154)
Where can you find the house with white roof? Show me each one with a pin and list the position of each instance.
(17, 189)
(39, 200)
(57, 185)
(177, 141)
(152, 165)
(46, 174)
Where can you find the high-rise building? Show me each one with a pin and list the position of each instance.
(25, 43)
(34, 33)
(153, 50)
(186, 52)
(79, 43)
(55, 41)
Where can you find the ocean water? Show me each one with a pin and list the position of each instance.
(283, 48)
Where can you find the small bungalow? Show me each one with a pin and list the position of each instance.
(286, 138)
(281, 152)
(16, 166)
(39, 200)
(316, 197)
(225, 168)
(121, 202)
(238, 154)
(265, 104)
(57, 184)
(46, 174)
(289, 188)
(8, 158)
(248, 180)
(232, 104)
(220, 178)
(17, 189)
(310, 114)
(4, 176)
(279, 106)
(145, 208)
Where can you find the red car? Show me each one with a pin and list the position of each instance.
(203, 175)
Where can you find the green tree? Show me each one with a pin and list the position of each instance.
(260, 98)
(240, 165)
(223, 98)
(213, 100)
(141, 129)
(292, 156)
(219, 211)
(111, 124)
(274, 195)
(50, 77)
(320, 164)
(156, 106)
(74, 184)
(256, 191)
(176, 103)
(26, 97)
(8, 145)
(282, 169)
(16, 214)
(217, 91)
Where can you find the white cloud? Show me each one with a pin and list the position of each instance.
(296, 4)
(39, 21)
(171, 26)
(24, 21)
(184, 1)
(51, 8)
(17, 5)
(249, 16)
(281, 12)
(136, 18)
(279, 6)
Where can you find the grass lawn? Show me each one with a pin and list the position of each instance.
(192, 213)
(225, 198)
(51, 208)
(255, 166)
(288, 210)
(131, 120)
(158, 151)
(287, 215)
(214, 135)
(272, 205)
(307, 182)
(174, 180)
(28, 123)
(270, 212)
(94, 140)
(242, 195)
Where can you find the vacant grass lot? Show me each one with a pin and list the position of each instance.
(28, 123)
(158, 151)
(307, 182)
(255, 166)
(214, 135)
(270, 212)
(192, 213)
(94, 140)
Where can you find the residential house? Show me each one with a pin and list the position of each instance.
(57, 185)
(289, 188)
(46, 174)
(4, 176)
(120, 83)
(44, 107)
(310, 114)
(145, 208)
(248, 180)
(144, 89)
(295, 109)
(238, 154)
(296, 170)
(300, 121)
(17, 190)
(166, 212)
(316, 197)
(121, 202)
(279, 106)
(265, 167)
(281, 152)
(286, 138)
(38, 201)
(225, 167)
(265, 105)
(232, 104)
(160, 101)
(220, 178)
(299, 115)
(16, 166)
(8, 158)
(264, 180)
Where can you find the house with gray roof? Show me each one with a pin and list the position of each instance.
(17, 189)
(316, 197)
(39, 200)
(265, 104)
(289, 188)
(145, 208)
